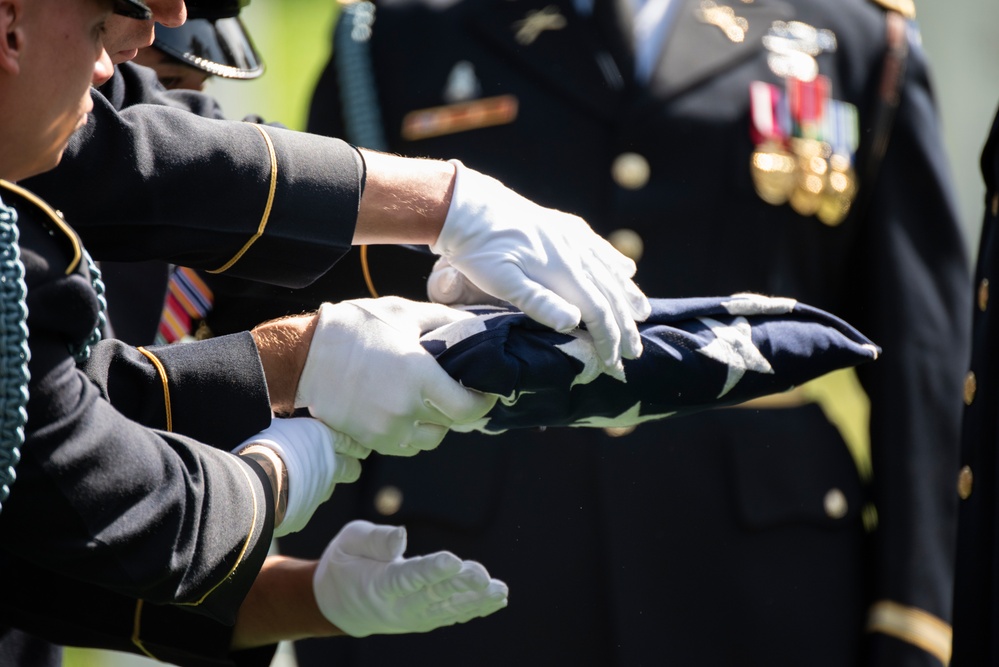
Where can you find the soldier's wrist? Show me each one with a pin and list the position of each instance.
(276, 472)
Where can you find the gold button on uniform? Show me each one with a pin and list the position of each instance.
(970, 387)
(983, 294)
(835, 504)
(388, 500)
(995, 205)
(965, 482)
(619, 431)
(628, 243)
(630, 171)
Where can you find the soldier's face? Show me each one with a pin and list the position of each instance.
(124, 36)
(62, 54)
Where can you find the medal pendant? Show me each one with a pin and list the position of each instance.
(812, 166)
(840, 190)
(773, 168)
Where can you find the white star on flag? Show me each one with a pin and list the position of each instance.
(582, 349)
(733, 346)
(629, 417)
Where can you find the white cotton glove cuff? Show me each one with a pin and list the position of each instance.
(308, 450)
(364, 585)
(549, 264)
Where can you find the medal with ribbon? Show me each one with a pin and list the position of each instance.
(805, 140)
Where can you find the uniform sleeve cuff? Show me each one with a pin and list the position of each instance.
(913, 626)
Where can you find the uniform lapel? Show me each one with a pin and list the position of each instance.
(696, 49)
(582, 58)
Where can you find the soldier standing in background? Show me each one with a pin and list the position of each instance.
(976, 592)
(787, 148)
(154, 300)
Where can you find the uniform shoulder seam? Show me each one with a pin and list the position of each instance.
(53, 216)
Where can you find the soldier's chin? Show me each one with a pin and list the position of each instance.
(43, 164)
(124, 56)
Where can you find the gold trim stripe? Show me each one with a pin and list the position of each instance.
(915, 626)
(366, 271)
(136, 631)
(56, 218)
(242, 552)
(166, 385)
(267, 209)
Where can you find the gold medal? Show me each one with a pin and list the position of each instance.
(841, 181)
(772, 168)
(839, 192)
(812, 166)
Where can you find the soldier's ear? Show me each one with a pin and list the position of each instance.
(11, 20)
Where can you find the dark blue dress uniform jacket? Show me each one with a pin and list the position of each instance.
(240, 199)
(154, 181)
(976, 593)
(715, 539)
(123, 527)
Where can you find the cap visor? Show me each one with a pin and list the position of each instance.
(221, 47)
(133, 9)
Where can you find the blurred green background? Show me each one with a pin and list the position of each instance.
(293, 37)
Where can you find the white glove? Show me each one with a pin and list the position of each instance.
(549, 264)
(367, 376)
(315, 459)
(364, 586)
(447, 285)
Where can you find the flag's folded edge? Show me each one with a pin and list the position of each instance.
(699, 353)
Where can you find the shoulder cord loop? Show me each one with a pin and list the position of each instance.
(81, 352)
(14, 352)
(362, 119)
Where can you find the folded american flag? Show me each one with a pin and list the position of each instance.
(699, 353)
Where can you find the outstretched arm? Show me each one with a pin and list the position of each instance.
(361, 586)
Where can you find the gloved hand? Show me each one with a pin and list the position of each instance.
(364, 586)
(549, 264)
(315, 459)
(367, 376)
(447, 285)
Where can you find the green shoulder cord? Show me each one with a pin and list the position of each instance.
(14, 353)
(81, 352)
(362, 118)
